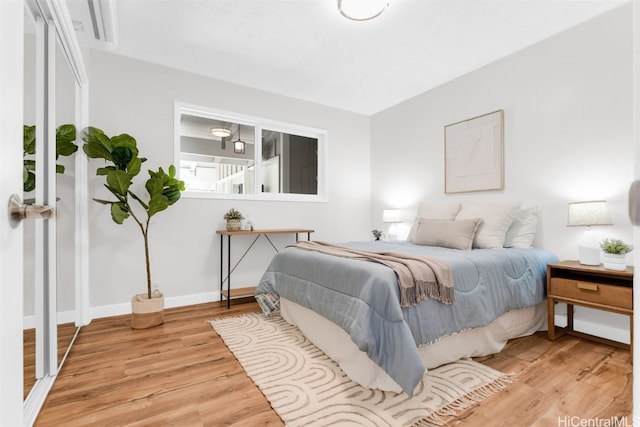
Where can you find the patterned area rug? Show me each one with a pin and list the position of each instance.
(306, 388)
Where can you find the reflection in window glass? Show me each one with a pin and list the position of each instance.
(227, 155)
(289, 163)
(216, 156)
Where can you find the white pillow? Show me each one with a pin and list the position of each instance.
(496, 219)
(446, 234)
(523, 229)
(445, 211)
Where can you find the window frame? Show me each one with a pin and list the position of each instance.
(259, 124)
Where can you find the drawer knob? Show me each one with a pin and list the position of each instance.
(588, 286)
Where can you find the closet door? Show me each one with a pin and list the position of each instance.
(65, 184)
(35, 214)
(55, 234)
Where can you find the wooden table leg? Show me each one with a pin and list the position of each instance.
(570, 317)
(631, 336)
(551, 321)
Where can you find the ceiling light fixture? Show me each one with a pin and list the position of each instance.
(238, 144)
(362, 10)
(221, 132)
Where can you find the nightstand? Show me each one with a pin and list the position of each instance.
(589, 286)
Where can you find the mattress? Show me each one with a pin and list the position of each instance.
(482, 341)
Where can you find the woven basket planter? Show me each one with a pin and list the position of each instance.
(145, 312)
(233, 225)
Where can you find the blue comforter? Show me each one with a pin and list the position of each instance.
(363, 297)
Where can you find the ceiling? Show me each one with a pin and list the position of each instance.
(305, 49)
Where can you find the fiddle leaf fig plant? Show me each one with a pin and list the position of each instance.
(65, 146)
(120, 152)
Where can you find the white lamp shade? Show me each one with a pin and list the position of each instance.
(587, 214)
(392, 215)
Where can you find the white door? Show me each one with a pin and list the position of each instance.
(11, 242)
(13, 211)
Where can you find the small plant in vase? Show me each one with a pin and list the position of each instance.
(615, 251)
(233, 218)
(377, 234)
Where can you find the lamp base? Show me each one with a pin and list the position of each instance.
(588, 255)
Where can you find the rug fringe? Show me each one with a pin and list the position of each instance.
(473, 398)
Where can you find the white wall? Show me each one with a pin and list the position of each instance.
(130, 96)
(568, 130)
(567, 105)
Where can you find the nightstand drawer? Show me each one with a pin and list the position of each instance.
(615, 296)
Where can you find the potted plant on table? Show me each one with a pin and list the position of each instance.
(123, 164)
(615, 253)
(233, 218)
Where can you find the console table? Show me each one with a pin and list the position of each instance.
(248, 291)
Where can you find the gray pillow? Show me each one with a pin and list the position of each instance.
(433, 211)
(446, 234)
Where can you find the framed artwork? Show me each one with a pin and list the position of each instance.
(473, 158)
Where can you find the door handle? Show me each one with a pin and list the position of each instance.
(19, 211)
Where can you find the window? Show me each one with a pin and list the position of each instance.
(227, 155)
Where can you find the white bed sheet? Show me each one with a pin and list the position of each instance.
(336, 344)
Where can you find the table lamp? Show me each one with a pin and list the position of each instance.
(391, 216)
(588, 214)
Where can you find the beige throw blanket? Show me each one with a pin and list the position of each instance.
(419, 278)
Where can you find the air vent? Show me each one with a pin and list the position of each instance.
(95, 22)
(102, 13)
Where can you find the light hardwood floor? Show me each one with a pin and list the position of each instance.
(182, 374)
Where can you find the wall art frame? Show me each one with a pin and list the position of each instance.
(473, 154)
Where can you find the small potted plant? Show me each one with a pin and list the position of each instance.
(377, 234)
(615, 251)
(233, 218)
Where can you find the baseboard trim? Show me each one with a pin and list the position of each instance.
(171, 302)
(29, 322)
(35, 400)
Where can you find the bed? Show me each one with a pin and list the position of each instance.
(351, 308)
